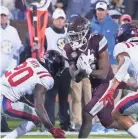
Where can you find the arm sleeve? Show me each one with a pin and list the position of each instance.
(122, 72)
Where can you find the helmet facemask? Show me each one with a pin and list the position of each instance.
(54, 62)
(79, 39)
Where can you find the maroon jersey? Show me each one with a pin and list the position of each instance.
(96, 44)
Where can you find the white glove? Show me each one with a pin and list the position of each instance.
(90, 57)
(83, 64)
(88, 70)
(87, 59)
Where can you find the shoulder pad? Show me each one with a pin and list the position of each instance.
(119, 48)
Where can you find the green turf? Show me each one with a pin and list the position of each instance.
(13, 124)
(73, 136)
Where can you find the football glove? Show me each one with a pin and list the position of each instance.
(57, 132)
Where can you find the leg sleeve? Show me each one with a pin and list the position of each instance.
(19, 110)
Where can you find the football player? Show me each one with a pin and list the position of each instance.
(126, 53)
(88, 57)
(31, 77)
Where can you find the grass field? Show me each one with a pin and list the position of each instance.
(94, 136)
(38, 135)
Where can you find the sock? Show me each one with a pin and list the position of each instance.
(22, 129)
(133, 130)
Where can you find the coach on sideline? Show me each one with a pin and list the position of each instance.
(10, 45)
(102, 23)
(55, 36)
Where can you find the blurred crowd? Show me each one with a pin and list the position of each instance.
(84, 8)
(105, 19)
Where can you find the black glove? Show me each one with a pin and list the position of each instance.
(82, 74)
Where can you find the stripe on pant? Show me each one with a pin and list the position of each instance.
(126, 103)
(7, 108)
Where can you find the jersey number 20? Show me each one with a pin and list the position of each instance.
(21, 73)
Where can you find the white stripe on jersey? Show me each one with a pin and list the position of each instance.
(102, 43)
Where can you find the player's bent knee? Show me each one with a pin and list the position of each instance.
(116, 114)
(106, 124)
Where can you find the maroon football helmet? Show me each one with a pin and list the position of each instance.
(78, 32)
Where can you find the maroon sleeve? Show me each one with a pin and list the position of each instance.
(68, 51)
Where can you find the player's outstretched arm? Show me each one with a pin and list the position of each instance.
(121, 75)
(39, 100)
(124, 62)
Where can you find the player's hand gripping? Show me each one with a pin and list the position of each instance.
(83, 63)
(57, 132)
(108, 97)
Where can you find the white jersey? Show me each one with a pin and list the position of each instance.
(10, 44)
(22, 79)
(131, 48)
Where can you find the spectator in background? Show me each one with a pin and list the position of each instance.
(135, 12)
(55, 36)
(102, 23)
(90, 13)
(10, 45)
(115, 15)
(10, 4)
(125, 18)
(20, 10)
(78, 7)
(93, 2)
(117, 5)
(62, 4)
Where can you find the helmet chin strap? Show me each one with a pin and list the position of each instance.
(83, 50)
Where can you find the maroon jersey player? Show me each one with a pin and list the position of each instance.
(88, 56)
